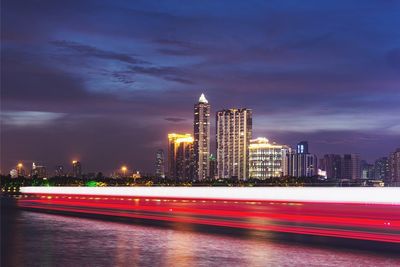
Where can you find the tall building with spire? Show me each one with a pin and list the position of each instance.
(202, 138)
(234, 132)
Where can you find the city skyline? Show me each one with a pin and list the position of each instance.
(152, 169)
(108, 92)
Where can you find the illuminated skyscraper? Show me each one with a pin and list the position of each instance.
(234, 131)
(160, 172)
(76, 169)
(267, 160)
(202, 138)
(181, 157)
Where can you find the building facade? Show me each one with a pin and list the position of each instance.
(301, 163)
(382, 170)
(201, 127)
(234, 132)
(159, 164)
(213, 166)
(367, 170)
(351, 168)
(267, 160)
(394, 168)
(332, 164)
(181, 165)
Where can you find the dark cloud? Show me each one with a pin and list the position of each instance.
(179, 48)
(166, 73)
(92, 51)
(125, 77)
(27, 77)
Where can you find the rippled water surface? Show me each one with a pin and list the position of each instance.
(38, 239)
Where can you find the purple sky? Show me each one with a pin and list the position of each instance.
(105, 81)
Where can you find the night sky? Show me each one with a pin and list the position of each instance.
(105, 81)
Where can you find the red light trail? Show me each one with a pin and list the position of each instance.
(361, 221)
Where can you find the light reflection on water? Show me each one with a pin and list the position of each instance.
(37, 239)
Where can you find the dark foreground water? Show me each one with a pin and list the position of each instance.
(38, 239)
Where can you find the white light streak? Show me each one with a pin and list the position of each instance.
(370, 195)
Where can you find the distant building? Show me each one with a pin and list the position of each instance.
(160, 170)
(382, 170)
(302, 147)
(394, 167)
(59, 171)
(181, 165)
(14, 173)
(234, 132)
(332, 164)
(301, 163)
(76, 169)
(38, 171)
(351, 168)
(267, 160)
(90, 175)
(201, 144)
(136, 175)
(367, 170)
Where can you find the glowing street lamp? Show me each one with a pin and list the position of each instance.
(124, 169)
(20, 165)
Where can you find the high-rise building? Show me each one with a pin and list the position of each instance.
(332, 164)
(301, 163)
(266, 159)
(160, 172)
(76, 169)
(351, 168)
(302, 147)
(202, 138)
(394, 167)
(381, 169)
(59, 171)
(234, 132)
(180, 157)
(367, 170)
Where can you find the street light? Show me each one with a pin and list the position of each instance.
(124, 169)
